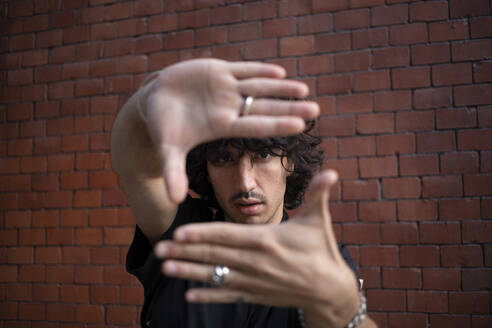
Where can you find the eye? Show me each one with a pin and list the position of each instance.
(263, 156)
(221, 158)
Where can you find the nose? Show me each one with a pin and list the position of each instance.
(246, 173)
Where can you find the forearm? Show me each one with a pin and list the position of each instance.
(135, 159)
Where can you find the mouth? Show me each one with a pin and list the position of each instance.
(248, 206)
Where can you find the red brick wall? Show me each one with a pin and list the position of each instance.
(406, 95)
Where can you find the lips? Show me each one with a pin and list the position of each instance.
(248, 206)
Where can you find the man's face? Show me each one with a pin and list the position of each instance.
(250, 187)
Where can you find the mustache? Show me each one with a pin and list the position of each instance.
(248, 195)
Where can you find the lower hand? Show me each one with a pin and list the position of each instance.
(295, 264)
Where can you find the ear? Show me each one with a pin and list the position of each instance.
(288, 164)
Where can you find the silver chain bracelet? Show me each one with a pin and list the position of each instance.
(359, 317)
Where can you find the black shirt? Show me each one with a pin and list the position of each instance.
(164, 302)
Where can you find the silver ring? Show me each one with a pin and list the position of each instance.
(219, 276)
(245, 108)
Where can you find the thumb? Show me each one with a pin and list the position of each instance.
(174, 172)
(318, 192)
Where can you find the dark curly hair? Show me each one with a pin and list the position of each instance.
(301, 150)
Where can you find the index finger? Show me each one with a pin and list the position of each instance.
(242, 70)
(221, 233)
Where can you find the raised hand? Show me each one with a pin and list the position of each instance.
(294, 264)
(200, 100)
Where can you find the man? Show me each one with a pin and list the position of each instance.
(264, 274)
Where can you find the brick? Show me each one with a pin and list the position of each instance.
(419, 256)
(105, 255)
(469, 302)
(371, 38)
(440, 233)
(482, 72)
(44, 182)
(48, 255)
(360, 234)
(89, 198)
(461, 256)
(378, 256)
(260, 49)
(401, 188)
(451, 74)
(395, 144)
(32, 311)
(50, 38)
(60, 236)
(35, 58)
(75, 71)
(60, 162)
(75, 255)
(456, 118)
(20, 112)
(105, 294)
(293, 8)
(461, 8)
(474, 139)
(337, 126)
(102, 179)
(279, 27)
(34, 93)
(441, 279)
(116, 274)
(20, 255)
(478, 185)
(21, 42)
(313, 24)
(378, 167)
(332, 42)
(456, 163)
(401, 278)
(351, 19)
(474, 232)
(357, 146)
(478, 94)
(418, 165)
(428, 11)
(360, 190)
(45, 293)
(354, 61)
(446, 31)
(89, 51)
(392, 100)
(19, 147)
(399, 233)
(333, 84)
(442, 186)
(356, 103)
(436, 142)
(425, 301)
(432, 98)
(324, 6)
(59, 274)
(389, 15)
(295, 46)
(377, 80)
(386, 300)
(61, 55)
(406, 78)
(74, 294)
(31, 273)
(224, 15)
(60, 312)
(259, 10)
(132, 295)
(408, 34)
(481, 27)
(476, 279)
(365, 3)
(430, 54)
(194, 19)
(406, 320)
(313, 65)
(346, 168)
(125, 315)
(375, 123)
(20, 77)
(61, 90)
(486, 162)
(471, 50)
(89, 313)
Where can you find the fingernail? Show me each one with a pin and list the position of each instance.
(170, 268)
(162, 249)
(191, 297)
(180, 235)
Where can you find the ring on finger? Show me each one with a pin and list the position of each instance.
(219, 276)
(246, 107)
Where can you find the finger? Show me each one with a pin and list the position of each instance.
(242, 70)
(307, 110)
(261, 87)
(222, 233)
(235, 279)
(259, 126)
(319, 188)
(174, 172)
(208, 253)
